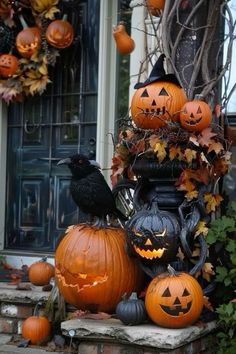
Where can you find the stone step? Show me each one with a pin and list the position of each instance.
(145, 335)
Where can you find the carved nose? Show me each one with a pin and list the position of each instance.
(177, 302)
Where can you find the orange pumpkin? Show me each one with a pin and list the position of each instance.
(154, 6)
(124, 43)
(157, 103)
(28, 41)
(37, 329)
(93, 270)
(195, 115)
(41, 272)
(8, 65)
(174, 300)
(60, 34)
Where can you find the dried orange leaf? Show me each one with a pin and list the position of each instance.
(212, 201)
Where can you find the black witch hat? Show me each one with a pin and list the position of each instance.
(158, 74)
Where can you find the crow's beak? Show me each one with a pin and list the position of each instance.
(94, 163)
(66, 161)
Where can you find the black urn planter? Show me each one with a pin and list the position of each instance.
(157, 182)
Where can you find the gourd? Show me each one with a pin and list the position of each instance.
(131, 311)
(154, 6)
(41, 272)
(124, 43)
(93, 270)
(174, 300)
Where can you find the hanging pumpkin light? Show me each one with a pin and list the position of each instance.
(124, 43)
(158, 100)
(174, 300)
(195, 115)
(155, 6)
(93, 270)
(60, 33)
(28, 40)
(8, 65)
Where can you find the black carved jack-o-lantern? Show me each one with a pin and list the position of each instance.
(153, 234)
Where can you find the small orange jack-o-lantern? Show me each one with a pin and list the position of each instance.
(124, 43)
(8, 65)
(195, 115)
(28, 41)
(174, 300)
(157, 103)
(60, 33)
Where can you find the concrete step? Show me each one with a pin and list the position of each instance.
(12, 349)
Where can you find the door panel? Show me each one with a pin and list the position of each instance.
(44, 129)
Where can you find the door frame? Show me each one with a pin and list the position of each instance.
(107, 74)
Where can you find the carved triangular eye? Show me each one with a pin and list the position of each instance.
(199, 110)
(154, 103)
(166, 293)
(185, 293)
(145, 93)
(163, 92)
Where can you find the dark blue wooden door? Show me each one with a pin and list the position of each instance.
(45, 129)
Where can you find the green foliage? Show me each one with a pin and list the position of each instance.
(222, 233)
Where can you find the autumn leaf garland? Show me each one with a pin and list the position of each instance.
(32, 75)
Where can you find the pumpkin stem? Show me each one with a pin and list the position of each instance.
(36, 309)
(64, 17)
(133, 296)
(22, 21)
(171, 270)
(44, 259)
(199, 97)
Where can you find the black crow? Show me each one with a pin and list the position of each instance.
(89, 189)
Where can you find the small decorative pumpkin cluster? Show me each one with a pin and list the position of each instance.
(24, 68)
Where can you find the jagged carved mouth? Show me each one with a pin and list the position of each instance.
(150, 254)
(193, 122)
(176, 310)
(155, 111)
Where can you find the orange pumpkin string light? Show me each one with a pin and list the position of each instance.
(155, 6)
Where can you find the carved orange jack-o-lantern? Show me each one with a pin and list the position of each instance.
(28, 41)
(93, 270)
(195, 115)
(174, 300)
(8, 65)
(155, 104)
(60, 33)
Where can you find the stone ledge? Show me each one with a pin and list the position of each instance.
(148, 335)
(8, 293)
